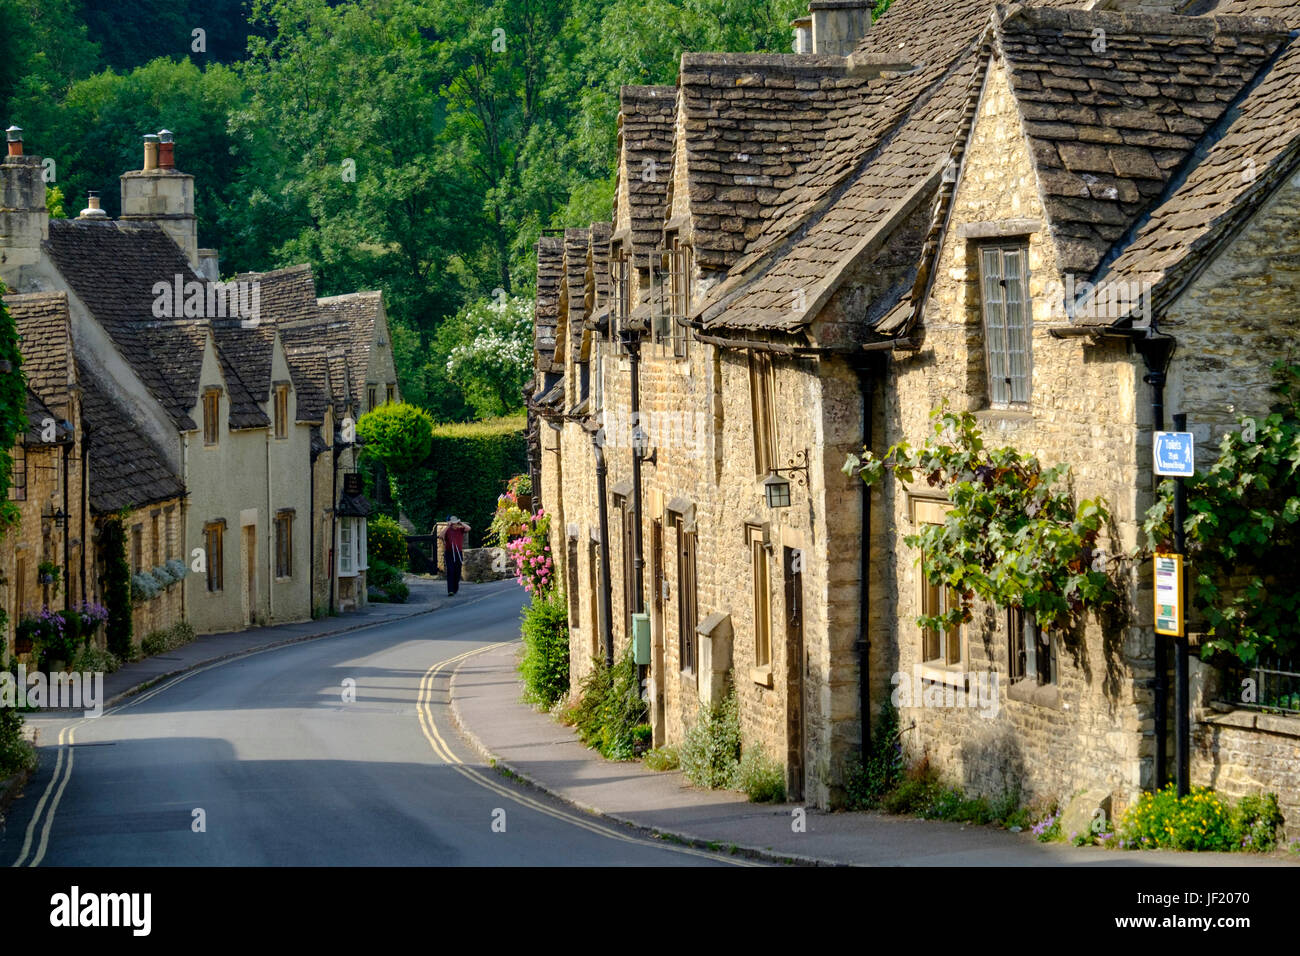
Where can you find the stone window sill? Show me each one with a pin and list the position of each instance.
(761, 676)
(1030, 691)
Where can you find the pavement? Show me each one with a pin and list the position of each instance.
(486, 705)
(427, 594)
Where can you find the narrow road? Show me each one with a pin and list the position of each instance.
(262, 761)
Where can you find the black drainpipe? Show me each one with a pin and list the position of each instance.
(866, 382)
(1157, 349)
(603, 610)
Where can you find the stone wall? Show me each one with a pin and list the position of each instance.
(1092, 729)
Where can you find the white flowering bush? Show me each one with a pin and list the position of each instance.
(178, 569)
(493, 354)
(144, 587)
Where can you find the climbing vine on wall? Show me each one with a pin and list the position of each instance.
(1243, 531)
(1013, 536)
(13, 408)
(116, 582)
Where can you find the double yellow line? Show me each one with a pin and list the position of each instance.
(424, 711)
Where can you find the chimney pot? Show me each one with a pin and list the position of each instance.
(14, 136)
(150, 151)
(166, 147)
(92, 210)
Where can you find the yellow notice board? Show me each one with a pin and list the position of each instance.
(1169, 594)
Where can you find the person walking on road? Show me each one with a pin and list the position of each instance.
(453, 539)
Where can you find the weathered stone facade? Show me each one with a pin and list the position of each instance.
(1012, 131)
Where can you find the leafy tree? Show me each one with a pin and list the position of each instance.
(386, 541)
(397, 434)
(489, 348)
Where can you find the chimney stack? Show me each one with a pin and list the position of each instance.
(166, 150)
(160, 193)
(838, 25)
(802, 34)
(24, 220)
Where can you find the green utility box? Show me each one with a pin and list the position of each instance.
(641, 638)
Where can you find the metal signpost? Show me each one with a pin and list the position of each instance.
(1174, 458)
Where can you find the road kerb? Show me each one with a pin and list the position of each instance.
(681, 836)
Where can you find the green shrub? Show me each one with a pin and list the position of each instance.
(610, 711)
(385, 541)
(466, 469)
(917, 792)
(545, 664)
(1256, 819)
(710, 752)
(1199, 821)
(662, 758)
(167, 639)
(90, 659)
(761, 778)
(398, 434)
(867, 782)
(16, 752)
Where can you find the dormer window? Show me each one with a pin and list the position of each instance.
(620, 302)
(1004, 292)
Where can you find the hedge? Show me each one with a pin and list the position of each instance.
(466, 470)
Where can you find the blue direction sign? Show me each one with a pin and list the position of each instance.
(1173, 454)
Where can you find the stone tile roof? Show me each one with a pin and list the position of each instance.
(752, 122)
(112, 267)
(1259, 149)
(45, 341)
(546, 314)
(577, 245)
(1108, 130)
(359, 313)
(787, 283)
(598, 263)
(309, 366)
(647, 115)
(127, 470)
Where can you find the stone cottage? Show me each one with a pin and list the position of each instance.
(202, 370)
(847, 239)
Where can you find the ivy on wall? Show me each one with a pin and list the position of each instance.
(1243, 531)
(115, 578)
(1013, 536)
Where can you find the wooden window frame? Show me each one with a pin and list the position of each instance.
(762, 386)
(761, 582)
(390, 393)
(1008, 332)
(688, 610)
(284, 544)
(282, 411)
(1038, 668)
(947, 649)
(372, 396)
(214, 548)
(620, 302)
(156, 528)
(137, 547)
(211, 417)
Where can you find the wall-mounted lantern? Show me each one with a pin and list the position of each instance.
(776, 487)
